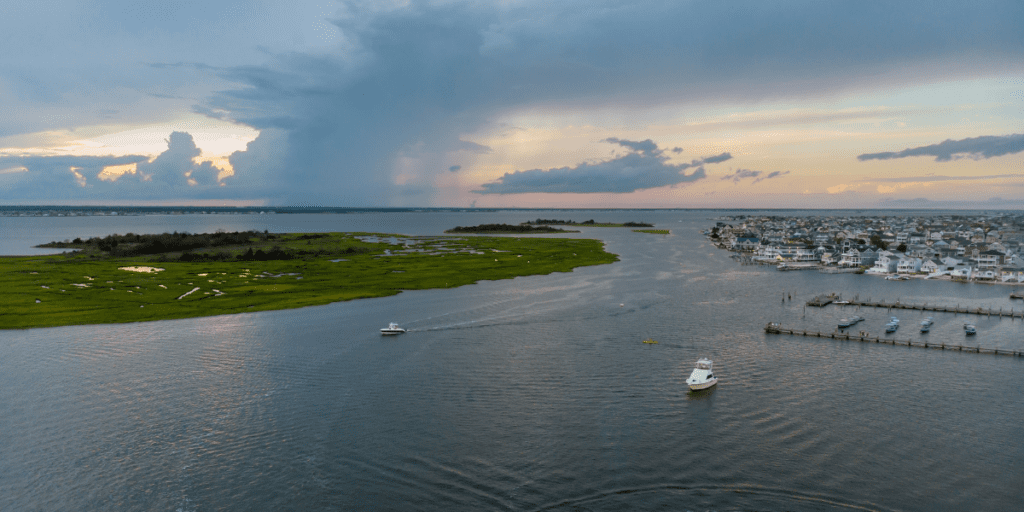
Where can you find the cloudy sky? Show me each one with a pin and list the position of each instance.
(513, 103)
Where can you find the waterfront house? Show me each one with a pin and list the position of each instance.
(961, 273)
(1011, 274)
(990, 259)
(908, 265)
(745, 243)
(886, 263)
(985, 275)
(932, 266)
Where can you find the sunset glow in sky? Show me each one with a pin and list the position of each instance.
(518, 103)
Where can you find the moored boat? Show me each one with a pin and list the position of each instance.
(970, 330)
(392, 329)
(702, 376)
(926, 324)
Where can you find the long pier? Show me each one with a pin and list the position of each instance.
(1012, 313)
(773, 328)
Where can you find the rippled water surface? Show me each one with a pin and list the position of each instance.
(528, 394)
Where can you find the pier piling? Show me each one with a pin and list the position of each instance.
(775, 328)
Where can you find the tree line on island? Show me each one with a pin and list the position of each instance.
(506, 228)
(132, 245)
(541, 226)
(590, 222)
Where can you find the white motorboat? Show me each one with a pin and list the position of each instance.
(894, 320)
(970, 330)
(926, 324)
(702, 376)
(392, 329)
(891, 327)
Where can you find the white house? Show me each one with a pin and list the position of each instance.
(908, 265)
(885, 264)
(931, 266)
(990, 259)
(1011, 274)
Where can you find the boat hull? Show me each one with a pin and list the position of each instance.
(702, 385)
(389, 332)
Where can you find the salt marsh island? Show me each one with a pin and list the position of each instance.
(133, 278)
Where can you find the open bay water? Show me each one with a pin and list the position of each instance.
(535, 393)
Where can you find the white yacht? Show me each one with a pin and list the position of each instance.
(970, 330)
(926, 324)
(391, 329)
(702, 376)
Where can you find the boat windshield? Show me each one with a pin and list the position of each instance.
(703, 365)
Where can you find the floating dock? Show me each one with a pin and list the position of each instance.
(774, 328)
(823, 300)
(1012, 313)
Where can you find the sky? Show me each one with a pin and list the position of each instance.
(573, 104)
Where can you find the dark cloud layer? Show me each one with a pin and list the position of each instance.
(422, 75)
(645, 166)
(407, 80)
(986, 146)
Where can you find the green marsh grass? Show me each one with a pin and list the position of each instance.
(89, 287)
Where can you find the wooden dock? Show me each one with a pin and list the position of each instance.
(774, 328)
(823, 300)
(1012, 313)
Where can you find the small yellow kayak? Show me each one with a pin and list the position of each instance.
(648, 340)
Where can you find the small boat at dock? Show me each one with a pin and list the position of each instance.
(392, 329)
(894, 323)
(926, 324)
(970, 330)
(702, 376)
(844, 323)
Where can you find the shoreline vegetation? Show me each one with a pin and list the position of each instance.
(135, 278)
(542, 226)
(520, 229)
(589, 223)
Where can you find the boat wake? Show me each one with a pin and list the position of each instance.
(738, 497)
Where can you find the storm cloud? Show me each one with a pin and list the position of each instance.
(422, 75)
(365, 104)
(645, 166)
(986, 146)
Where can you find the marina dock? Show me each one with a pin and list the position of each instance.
(1012, 313)
(774, 328)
